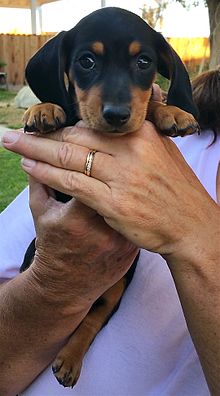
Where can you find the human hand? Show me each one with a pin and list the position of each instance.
(78, 256)
(140, 184)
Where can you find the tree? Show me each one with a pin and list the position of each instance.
(214, 22)
(154, 14)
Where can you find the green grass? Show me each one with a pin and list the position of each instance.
(162, 82)
(11, 117)
(12, 178)
(9, 114)
(6, 96)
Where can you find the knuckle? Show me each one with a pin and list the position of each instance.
(70, 134)
(65, 154)
(70, 181)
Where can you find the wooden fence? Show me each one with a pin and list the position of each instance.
(15, 51)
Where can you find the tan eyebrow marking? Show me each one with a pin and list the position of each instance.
(98, 47)
(134, 48)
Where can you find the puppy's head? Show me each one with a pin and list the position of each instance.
(112, 68)
(111, 58)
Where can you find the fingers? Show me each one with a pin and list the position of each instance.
(41, 199)
(95, 140)
(57, 153)
(88, 190)
(38, 197)
(76, 209)
(78, 134)
(61, 154)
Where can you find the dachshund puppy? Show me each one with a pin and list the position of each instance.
(102, 72)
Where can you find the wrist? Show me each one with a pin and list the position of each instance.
(54, 288)
(200, 239)
(197, 258)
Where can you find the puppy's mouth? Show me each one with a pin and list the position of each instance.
(114, 120)
(113, 130)
(117, 131)
(114, 127)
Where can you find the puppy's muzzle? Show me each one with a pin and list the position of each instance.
(116, 115)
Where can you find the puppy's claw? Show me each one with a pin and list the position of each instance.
(172, 121)
(56, 366)
(66, 371)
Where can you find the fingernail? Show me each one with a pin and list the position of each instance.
(10, 137)
(28, 163)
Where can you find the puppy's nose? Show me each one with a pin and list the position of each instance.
(116, 116)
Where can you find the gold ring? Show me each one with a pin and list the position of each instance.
(89, 162)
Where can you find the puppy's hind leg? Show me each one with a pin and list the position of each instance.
(68, 363)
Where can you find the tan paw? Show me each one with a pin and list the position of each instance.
(66, 370)
(173, 121)
(44, 118)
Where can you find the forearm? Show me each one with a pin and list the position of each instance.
(197, 278)
(32, 330)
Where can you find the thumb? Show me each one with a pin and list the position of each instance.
(38, 197)
(79, 210)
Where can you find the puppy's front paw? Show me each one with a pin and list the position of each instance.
(173, 121)
(44, 118)
(66, 370)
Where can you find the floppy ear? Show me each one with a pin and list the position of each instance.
(171, 67)
(45, 72)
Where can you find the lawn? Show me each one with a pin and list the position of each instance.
(10, 115)
(12, 178)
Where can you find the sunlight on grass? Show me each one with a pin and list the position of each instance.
(12, 178)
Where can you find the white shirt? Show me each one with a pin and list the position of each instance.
(145, 349)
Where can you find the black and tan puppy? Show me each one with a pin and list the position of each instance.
(102, 71)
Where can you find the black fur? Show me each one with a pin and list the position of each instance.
(116, 29)
(113, 26)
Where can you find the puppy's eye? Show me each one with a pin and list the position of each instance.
(87, 62)
(143, 62)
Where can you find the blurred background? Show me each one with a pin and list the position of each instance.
(191, 26)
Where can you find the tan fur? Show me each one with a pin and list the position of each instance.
(134, 48)
(68, 363)
(90, 109)
(98, 48)
(89, 106)
(49, 117)
(45, 117)
(139, 105)
(171, 119)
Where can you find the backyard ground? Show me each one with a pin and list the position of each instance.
(10, 115)
(12, 178)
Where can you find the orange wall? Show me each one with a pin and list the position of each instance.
(191, 48)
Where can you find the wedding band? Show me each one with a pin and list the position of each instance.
(89, 162)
